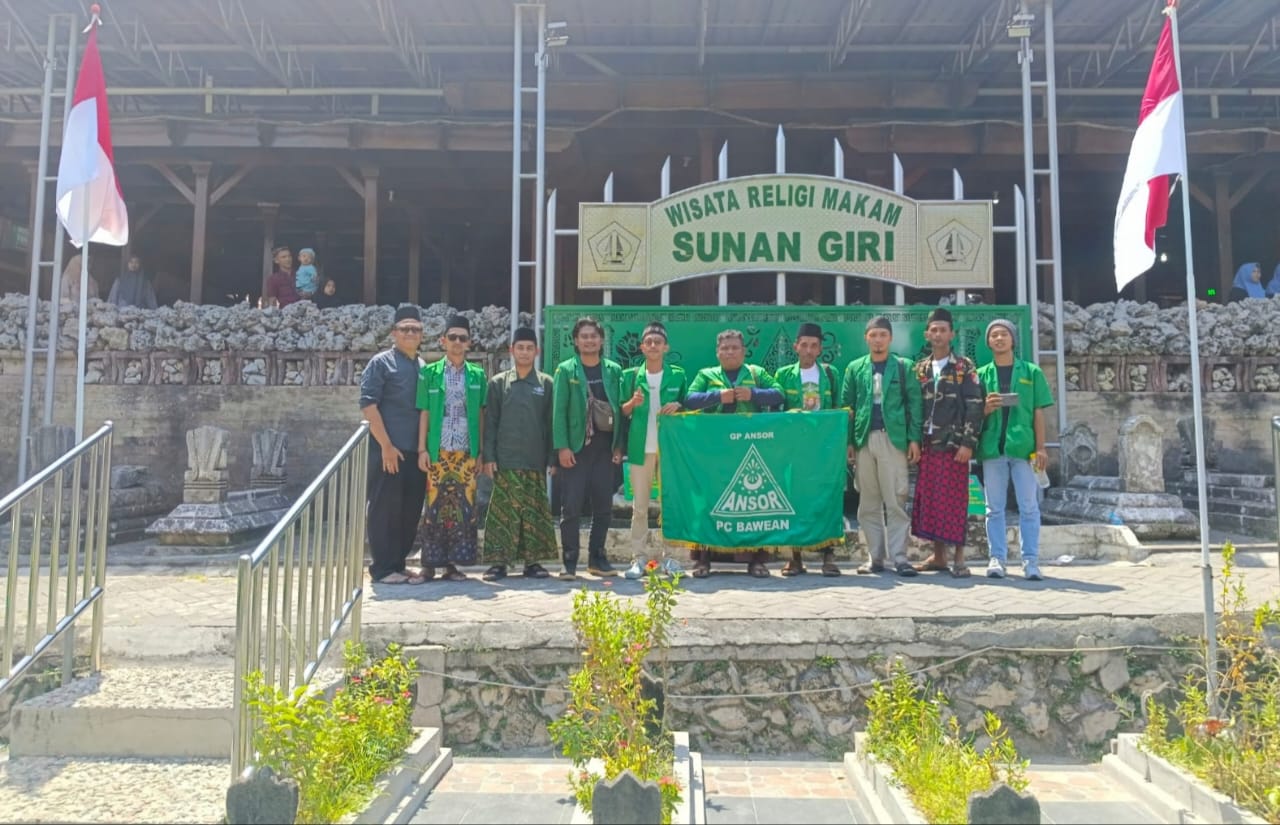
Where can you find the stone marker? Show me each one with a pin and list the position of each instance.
(1187, 435)
(1080, 448)
(205, 481)
(625, 800)
(259, 798)
(127, 476)
(1141, 455)
(269, 448)
(1002, 805)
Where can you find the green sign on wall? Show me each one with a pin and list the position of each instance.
(770, 331)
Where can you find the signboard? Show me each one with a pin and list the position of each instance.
(785, 223)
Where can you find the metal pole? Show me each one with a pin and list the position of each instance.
(838, 172)
(37, 238)
(1275, 454)
(957, 193)
(548, 296)
(780, 166)
(59, 238)
(1020, 238)
(1202, 474)
(663, 191)
(607, 296)
(82, 325)
(1055, 229)
(517, 94)
(1029, 181)
(540, 161)
(899, 186)
(722, 173)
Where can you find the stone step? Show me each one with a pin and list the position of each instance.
(1095, 483)
(1262, 495)
(1260, 526)
(1231, 479)
(1077, 495)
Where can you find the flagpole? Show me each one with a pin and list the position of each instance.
(82, 332)
(1202, 479)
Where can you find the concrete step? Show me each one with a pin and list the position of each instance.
(1232, 479)
(1253, 495)
(1263, 527)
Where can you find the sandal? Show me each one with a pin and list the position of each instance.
(399, 578)
(795, 567)
(829, 568)
(536, 571)
(758, 570)
(453, 574)
(701, 570)
(493, 574)
(960, 571)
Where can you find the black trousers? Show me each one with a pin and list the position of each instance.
(393, 511)
(588, 484)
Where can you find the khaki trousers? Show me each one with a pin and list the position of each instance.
(641, 483)
(882, 477)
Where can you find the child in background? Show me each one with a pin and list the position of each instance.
(307, 279)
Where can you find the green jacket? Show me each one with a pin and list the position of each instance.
(788, 379)
(675, 384)
(1033, 393)
(750, 375)
(431, 398)
(569, 399)
(900, 401)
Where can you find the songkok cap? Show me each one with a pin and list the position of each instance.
(408, 312)
(1007, 324)
(940, 314)
(524, 334)
(458, 322)
(880, 322)
(654, 328)
(809, 330)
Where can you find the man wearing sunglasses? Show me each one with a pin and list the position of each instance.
(388, 391)
(451, 395)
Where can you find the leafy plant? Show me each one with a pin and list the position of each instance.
(931, 758)
(1237, 748)
(336, 750)
(610, 717)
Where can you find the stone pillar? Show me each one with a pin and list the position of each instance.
(1141, 455)
(1080, 449)
(269, 448)
(205, 481)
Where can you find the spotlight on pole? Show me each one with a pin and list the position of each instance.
(557, 35)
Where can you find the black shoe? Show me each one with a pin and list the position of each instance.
(602, 568)
(905, 569)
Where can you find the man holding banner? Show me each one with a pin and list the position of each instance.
(884, 438)
(732, 387)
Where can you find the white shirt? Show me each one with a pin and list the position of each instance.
(810, 383)
(654, 379)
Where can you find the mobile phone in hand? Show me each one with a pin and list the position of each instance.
(1008, 399)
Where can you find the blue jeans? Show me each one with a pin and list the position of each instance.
(996, 474)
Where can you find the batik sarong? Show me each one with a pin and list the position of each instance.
(940, 507)
(518, 527)
(448, 532)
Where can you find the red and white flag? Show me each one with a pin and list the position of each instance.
(1159, 150)
(90, 203)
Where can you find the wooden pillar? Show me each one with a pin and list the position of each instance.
(199, 230)
(369, 175)
(415, 255)
(446, 271)
(1222, 216)
(704, 291)
(270, 213)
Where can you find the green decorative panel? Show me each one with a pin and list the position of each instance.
(771, 331)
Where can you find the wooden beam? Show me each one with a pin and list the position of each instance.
(370, 292)
(177, 182)
(1240, 194)
(1201, 197)
(355, 183)
(415, 255)
(199, 230)
(1222, 215)
(270, 213)
(229, 184)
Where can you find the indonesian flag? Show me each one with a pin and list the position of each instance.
(1159, 150)
(90, 203)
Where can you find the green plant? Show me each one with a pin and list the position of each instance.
(609, 716)
(933, 761)
(1237, 748)
(336, 750)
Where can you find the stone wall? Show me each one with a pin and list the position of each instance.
(797, 687)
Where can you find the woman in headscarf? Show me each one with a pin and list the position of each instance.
(1247, 283)
(1273, 286)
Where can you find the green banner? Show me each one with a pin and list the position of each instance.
(753, 480)
(770, 331)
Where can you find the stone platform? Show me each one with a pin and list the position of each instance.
(222, 523)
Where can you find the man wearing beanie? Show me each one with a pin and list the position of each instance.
(884, 438)
(451, 394)
(517, 452)
(651, 389)
(953, 418)
(396, 487)
(1012, 447)
(808, 385)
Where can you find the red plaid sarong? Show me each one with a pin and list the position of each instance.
(940, 507)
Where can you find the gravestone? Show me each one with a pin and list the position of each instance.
(260, 798)
(1002, 805)
(625, 800)
(1080, 448)
(48, 444)
(1187, 436)
(269, 450)
(1141, 455)
(205, 481)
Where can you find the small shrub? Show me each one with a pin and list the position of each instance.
(336, 750)
(1236, 749)
(936, 765)
(608, 716)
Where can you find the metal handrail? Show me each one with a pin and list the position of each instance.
(1275, 453)
(95, 451)
(307, 603)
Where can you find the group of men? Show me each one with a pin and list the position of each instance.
(437, 427)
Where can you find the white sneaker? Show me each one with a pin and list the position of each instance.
(995, 569)
(1031, 571)
(635, 571)
(671, 567)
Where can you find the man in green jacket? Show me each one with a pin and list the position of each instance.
(654, 388)
(586, 433)
(884, 438)
(807, 385)
(1012, 447)
(451, 394)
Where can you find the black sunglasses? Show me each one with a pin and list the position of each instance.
(459, 337)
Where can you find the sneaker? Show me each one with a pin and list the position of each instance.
(995, 569)
(870, 568)
(671, 567)
(635, 571)
(567, 575)
(1031, 571)
(602, 569)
